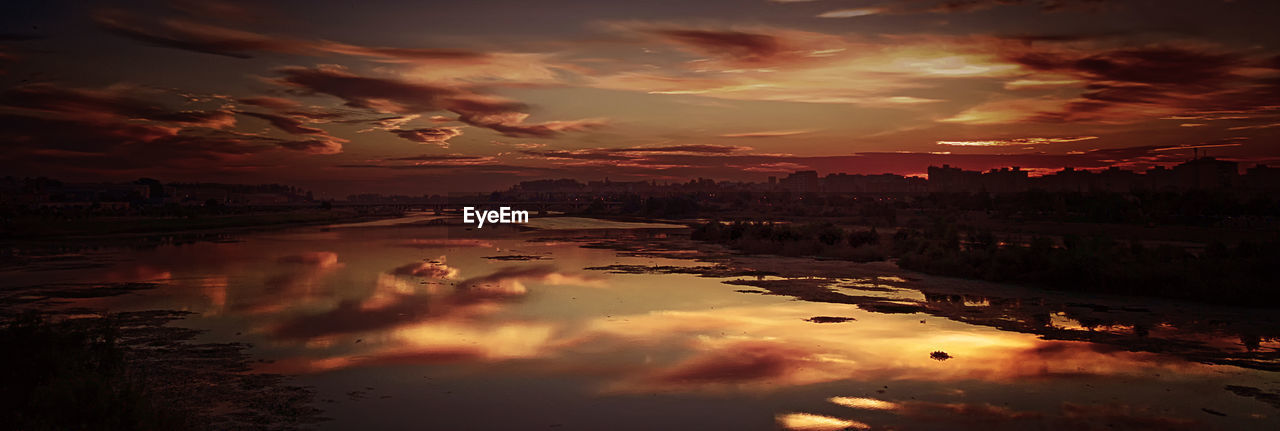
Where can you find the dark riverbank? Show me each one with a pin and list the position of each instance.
(1239, 274)
(33, 227)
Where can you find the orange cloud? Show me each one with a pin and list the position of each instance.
(774, 64)
(766, 134)
(851, 13)
(813, 422)
(1015, 141)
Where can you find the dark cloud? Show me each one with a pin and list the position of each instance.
(1125, 85)
(324, 116)
(478, 166)
(402, 54)
(352, 316)
(740, 363)
(190, 36)
(18, 37)
(380, 94)
(272, 102)
(512, 125)
(1160, 66)
(107, 104)
(49, 122)
(318, 258)
(906, 7)
(1156, 66)
(422, 356)
(403, 97)
(431, 269)
(104, 144)
(287, 124)
(970, 5)
(433, 161)
(61, 144)
(431, 135)
(514, 273)
(1063, 37)
(33, 133)
(223, 10)
(1120, 93)
(636, 154)
(1070, 416)
(211, 39)
(314, 146)
(740, 46)
(1272, 63)
(703, 148)
(438, 157)
(293, 109)
(322, 143)
(950, 6)
(576, 155)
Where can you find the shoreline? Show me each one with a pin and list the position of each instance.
(1158, 325)
(207, 225)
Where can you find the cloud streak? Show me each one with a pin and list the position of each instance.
(389, 95)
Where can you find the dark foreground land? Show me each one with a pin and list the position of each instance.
(130, 371)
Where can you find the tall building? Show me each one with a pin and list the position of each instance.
(949, 179)
(801, 182)
(1206, 173)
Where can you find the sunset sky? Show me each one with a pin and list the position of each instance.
(430, 97)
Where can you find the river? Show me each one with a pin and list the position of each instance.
(417, 326)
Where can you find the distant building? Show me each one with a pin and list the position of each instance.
(1114, 179)
(1004, 180)
(801, 182)
(1263, 177)
(949, 179)
(883, 183)
(1160, 178)
(1206, 173)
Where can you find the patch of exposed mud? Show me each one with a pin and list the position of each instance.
(517, 257)
(829, 319)
(47, 295)
(718, 271)
(1271, 398)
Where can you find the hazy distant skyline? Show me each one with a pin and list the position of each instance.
(460, 96)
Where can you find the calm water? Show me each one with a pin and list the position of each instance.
(418, 327)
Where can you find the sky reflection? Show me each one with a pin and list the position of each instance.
(350, 305)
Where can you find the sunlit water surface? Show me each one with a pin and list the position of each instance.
(434, 327)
